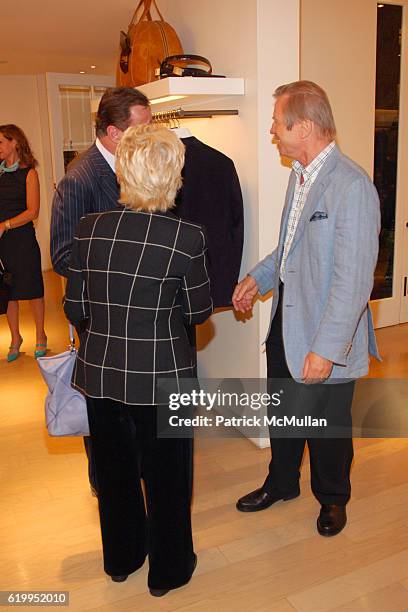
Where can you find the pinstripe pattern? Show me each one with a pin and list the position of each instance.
(137, 278)
(89, 186)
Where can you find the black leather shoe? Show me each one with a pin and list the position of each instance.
(332, 519)
(161, 592)
(261, 499)
(119, 578)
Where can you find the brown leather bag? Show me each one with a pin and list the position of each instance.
(145, 46)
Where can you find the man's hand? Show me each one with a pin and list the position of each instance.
(244, 293)
(316, 369)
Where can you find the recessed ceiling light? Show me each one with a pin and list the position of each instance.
(82, 72)
(93, 67)
(380, 6)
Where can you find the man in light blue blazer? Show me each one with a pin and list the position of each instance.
(321, 273)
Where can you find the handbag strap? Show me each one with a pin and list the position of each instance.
(146, 11)
(133, 20)
(157, 9)
(71, 337)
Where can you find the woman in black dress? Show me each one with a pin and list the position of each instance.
(19, 250)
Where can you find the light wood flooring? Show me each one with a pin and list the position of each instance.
(271, 561)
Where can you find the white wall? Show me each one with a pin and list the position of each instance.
(278, 63)
(257, 40)
(226, 33)
(20, 105)
(338, 51)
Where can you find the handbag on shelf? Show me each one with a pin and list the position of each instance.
(6, 282)
(144, 46)
(65, 407)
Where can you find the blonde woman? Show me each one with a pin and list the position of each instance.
(136, 276)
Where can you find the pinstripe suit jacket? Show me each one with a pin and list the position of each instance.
(89, 186)
(135, 277)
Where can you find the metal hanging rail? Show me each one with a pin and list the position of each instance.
(179, 113)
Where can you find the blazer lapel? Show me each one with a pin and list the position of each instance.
(316, 191)
(285, 213)
(107, 178)
(111, 188)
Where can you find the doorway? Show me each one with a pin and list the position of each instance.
(390, 292)
(71, 98)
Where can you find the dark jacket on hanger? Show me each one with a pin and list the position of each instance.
(211, 196)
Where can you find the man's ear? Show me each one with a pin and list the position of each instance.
(306, 128)
(114, 133)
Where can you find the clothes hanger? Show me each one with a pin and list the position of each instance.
(182, 132)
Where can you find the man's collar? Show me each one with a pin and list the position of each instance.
(315, 164)
(107, 155)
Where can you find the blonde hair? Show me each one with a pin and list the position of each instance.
(149, 160)
(306, 100)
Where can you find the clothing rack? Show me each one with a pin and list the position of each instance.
(179, 113)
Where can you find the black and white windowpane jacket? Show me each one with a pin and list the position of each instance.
(136, 278)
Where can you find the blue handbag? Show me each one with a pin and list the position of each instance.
(65, 407)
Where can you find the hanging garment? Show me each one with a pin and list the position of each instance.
(211, 195)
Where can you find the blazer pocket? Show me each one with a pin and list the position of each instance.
(318, 216)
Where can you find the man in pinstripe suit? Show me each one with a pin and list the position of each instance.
(90, 185)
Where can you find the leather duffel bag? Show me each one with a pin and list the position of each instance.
(145, 46)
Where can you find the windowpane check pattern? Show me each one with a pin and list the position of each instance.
(137, 279)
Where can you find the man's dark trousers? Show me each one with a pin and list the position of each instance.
(330, 458)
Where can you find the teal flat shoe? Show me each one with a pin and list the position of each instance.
(40, 350)
(14, 351)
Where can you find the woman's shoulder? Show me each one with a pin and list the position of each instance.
(24, 175)
(30, 173)
(22, 171)
(191, 235)
(101, 219)
(184, 224)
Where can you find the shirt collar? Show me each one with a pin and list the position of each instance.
(315, 165)
(107, 155)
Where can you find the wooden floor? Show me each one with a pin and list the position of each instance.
(273, 560)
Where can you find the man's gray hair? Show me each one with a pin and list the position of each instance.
(306, 100)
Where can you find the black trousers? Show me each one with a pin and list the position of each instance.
(87, 439)
(91, 463)
(330, 458)
(125, 450)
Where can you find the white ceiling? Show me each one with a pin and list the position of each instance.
(62, 35)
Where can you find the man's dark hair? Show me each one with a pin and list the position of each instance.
(114, 108)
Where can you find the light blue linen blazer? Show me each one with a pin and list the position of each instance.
(329, 271)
